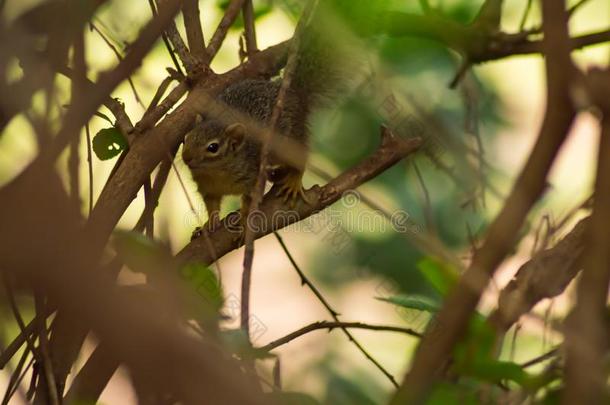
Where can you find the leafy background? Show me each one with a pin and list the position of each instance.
(355, 267)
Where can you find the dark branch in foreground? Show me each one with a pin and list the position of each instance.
(545, 275)
(435, 349)
(587, 325)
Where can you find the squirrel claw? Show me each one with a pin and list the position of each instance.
(291, 190)
(197, 232)
(212, 224)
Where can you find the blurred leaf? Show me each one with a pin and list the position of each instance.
(291, 398)
(439, 275)
(496, 371)
(475, 356)
(418, 302)
(204, 282)
(341, 391)
(260, 10)
(553, 397)
(459, 393)
(139, 253)
(108, 143)
(236, 341)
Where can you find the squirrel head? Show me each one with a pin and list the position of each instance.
(211, 144)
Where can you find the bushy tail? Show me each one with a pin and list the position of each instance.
(331, 53)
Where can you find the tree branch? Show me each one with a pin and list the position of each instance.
(249, 28)
(545, 275)
(436, 347)
(334, 325)
(257, 192)
(272, 215)
(333, 313)
(78, 115)
(587, 325)
(231, 14)
(154, 145)
(476, 45)
(192, 25)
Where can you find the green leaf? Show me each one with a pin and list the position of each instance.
(495, 371)
(108, 143)
(291, 398)
(204, 282)
(139, 253)
(236, 341)
(441, 276)
(342, 390)
(475, 356)
(260, 10)
(417, 302)
(553, 397)
(459, 393)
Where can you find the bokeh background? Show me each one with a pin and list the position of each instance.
(484, 130)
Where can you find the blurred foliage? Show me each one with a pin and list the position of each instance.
(416, 101)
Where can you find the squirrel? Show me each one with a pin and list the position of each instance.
(224, 158)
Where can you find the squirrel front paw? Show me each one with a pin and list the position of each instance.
(291, 188)
(197, 233)
(212, 224)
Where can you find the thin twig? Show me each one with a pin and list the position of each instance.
(43, 343)
(335, 325)
(153, 116)
(168, 47)
(576, 7)
(78, 114)
(426, 243)
(18, 318)
(249, 28)
(17, 376)
(15, 345)
(257, 193)
(427, 201)
(333, 313)
(228, 19)
(155, 193)
(526, 14)
(119, 56)
(158, 94)
(90, 166)
(548, 355)
(392, 150)
(149, 225)
(73, 171)
(194, 32)
(179, 47)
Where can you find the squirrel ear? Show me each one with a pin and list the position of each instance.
(236, 133)
(198, 119)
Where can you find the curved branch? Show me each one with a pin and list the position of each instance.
(272, 214)
(545, 275)
(335, 325)
(150, 147)
(477, 44)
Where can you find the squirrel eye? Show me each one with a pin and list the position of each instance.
(213, 147)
